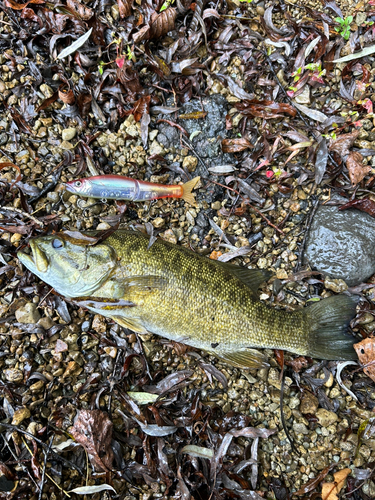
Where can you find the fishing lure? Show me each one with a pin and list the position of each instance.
(117, 187)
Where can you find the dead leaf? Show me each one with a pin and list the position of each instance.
(235, 145)
(331, 490)
(366, 354)
(20, 6)
(265, 109)
(364, 204)
(343, 143)
(93, 430)
(82, 11)
(357, 170)
(314, 482)
(124, 7)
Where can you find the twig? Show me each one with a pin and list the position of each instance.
(173, 124)
(25, 214)
(188, 143)
(44, 445)
(306, 232)
(283, 418)
(44, 468)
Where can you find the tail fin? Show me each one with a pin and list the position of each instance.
(187, 191)
(329, 320)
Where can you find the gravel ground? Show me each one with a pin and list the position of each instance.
(57, 360)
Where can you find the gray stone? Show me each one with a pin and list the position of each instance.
(341, 244)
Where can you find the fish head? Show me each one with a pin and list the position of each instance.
(72, 269)
(80, 186)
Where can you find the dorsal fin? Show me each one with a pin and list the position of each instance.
(253, 278)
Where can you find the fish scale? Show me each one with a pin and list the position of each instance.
(173, 292)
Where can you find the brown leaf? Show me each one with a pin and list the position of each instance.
(141, 107)
(142, 34)
(66, 94)
(82, 11)
(357, 170)
(366, 354)
(331, 490)
(129, 77)
(314, 482)
(124, 7)
(365, 205)
(162, 23)
(48, 102)
(265, 109)
(19, 6)
(235, 145)
(93, 430)
(343, 143)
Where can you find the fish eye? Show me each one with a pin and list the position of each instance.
(57, 244)
(78, 184)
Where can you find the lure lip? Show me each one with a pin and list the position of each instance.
(74, 186)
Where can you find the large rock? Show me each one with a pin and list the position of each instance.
(341, 244)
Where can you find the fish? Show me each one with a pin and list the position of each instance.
(170, 291)
(118, 187)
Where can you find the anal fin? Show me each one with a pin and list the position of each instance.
(244, 358)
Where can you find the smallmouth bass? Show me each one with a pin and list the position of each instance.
(170, 291)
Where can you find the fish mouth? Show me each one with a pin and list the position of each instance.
(37, 262)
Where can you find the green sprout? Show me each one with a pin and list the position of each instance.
(166, 4)
(130, 53)
(246, 1)
(101, 67)
(344, 28)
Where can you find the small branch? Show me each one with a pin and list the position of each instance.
(21, 212)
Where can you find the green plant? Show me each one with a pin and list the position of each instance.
(166, 4)
(344, 28)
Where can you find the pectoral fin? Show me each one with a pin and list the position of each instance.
(133, 324)
(244, 358)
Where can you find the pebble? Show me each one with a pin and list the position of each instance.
(169, 235)
(325, 417)
(20, 415)
(28, 313)
(300, 428)
(158, 222)
(61, 346)
(309, 403)
(99, 324)
(337, 286)
(216, 205)
(190, 162)
(13, 375)
(68, 133)
(72, 369)
(274, 378)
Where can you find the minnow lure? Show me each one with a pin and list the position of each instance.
(117, 187)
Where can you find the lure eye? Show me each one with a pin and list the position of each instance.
(57, 244)
(78, 184)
